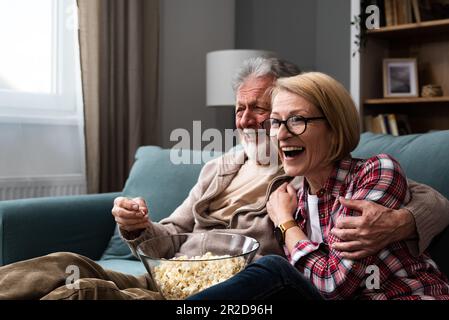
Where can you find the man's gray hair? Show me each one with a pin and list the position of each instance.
(260, 67)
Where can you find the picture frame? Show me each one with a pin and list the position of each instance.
(400, 78)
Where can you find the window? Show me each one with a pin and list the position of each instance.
(39, 64)
(41, 114)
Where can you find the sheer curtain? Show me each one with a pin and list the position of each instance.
(119, 44)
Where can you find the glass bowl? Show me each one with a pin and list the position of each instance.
(184, 264)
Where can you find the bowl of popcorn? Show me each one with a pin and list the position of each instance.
(183, 264)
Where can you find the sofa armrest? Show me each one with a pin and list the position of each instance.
(34, 227)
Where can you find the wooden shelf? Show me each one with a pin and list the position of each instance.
(404, 30)
(428, 42)
(410, 100)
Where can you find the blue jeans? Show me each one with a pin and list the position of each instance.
(270, 277)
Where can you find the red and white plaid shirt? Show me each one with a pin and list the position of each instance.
(401, 275)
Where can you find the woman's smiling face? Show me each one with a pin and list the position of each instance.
(303, 155)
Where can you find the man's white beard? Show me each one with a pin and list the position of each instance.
(259, 147)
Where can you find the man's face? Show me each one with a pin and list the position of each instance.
(253, 106)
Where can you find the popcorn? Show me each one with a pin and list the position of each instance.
(178, 280)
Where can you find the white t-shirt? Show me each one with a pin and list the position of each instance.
(313, 219)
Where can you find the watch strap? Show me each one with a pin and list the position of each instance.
(282, 228)
(287, 225)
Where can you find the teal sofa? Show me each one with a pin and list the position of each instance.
(84, 224)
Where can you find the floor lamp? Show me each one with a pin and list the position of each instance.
(221, 67)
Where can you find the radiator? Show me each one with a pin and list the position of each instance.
(45, 186)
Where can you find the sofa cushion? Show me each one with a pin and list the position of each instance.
(158, 176)
(132, 267)
(425, 159)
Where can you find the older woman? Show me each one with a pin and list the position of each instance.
(317, 126)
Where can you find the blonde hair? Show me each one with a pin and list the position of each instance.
(334, 102)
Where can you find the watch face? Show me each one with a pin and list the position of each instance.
(278, 235)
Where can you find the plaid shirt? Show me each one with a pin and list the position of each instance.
(401, 275)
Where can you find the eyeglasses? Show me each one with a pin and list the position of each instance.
(296, 125)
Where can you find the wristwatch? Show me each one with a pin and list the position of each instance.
(279, 231)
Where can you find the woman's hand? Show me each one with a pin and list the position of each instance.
(282, 204)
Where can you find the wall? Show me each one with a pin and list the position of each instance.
(333, 45)
(189, 30)
(39, 149)
(41, 159)
(314, 34)
(285, 26)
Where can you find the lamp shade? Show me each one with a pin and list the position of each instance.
(221, 67)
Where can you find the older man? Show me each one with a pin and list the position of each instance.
(231, 194)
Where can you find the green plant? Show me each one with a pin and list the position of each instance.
(358, 23)
(360, 37)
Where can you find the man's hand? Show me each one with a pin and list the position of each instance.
(131, 214)
(374, 230)
(282, 204)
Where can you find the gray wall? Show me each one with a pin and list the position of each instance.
(285, 26)
(189, 30)
(315, 34)
(40, 150)
(333, 45)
